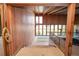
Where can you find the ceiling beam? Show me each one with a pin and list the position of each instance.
(57, 9)
(48, 9)
(38, 4)
(61, 11)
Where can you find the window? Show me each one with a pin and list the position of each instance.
(75, 30)
(39, 20)
(36, 19)
(42, 29)
(38, 24)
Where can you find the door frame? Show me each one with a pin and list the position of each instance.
(4, 19)
(2, 24)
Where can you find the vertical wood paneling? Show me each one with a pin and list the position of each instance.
(20, 23)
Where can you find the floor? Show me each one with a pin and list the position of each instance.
(41, 40)
(75, 50)
(41, 48)
(40, 51)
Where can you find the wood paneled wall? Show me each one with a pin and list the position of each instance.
(77, 19)
(58, 19)
(21, 25)
(54, 19)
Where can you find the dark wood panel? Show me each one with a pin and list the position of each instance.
(23, 27)
(54, 19)
(58, 19)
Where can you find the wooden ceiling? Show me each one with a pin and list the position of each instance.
(46, 8)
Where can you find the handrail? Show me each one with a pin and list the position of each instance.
(57, 41)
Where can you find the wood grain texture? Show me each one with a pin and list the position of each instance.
(20, 22)
(69, 28)
(55, 19)
(23, 27)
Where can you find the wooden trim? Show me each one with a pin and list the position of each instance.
(35, 25)
(38, 26)
(46, 29)
(2, 15)
(37, 4)
(58, 29)
(42, 29)
(5, 17)
(61, 30)
(54, 28)
(8, 48)
(2, 24)
(50, 29)
(70, 27)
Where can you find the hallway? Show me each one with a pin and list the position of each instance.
(27, 28)
(41, 47)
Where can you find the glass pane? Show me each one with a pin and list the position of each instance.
(60, 30)
(56, 34)
(74, 30)
(40, 20)
(36, 19)
(48, 29)
(56, 29)
(59, 26)
(40, 26)
(52, 28)
(36, 29)
(63, 30)
(44, 29)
